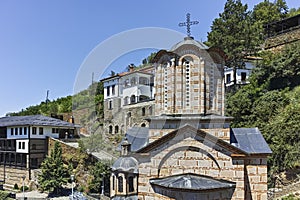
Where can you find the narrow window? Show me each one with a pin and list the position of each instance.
(117, 129)
(120, 184)
(33, 130)
(113, 182)
(12, 131)
(113, 90)
(20, 145)
(143, 111)
(41, 131)
(107, 91)
(16, 131)
(110, 105)
(25, 130)
(130, 182)
(228, 78)
(243, 76)
(20, 131)
(110, 129)
(23, 145)
(150, 110)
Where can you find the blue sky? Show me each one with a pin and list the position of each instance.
(43, 43)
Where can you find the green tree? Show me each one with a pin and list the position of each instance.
(280, 70)
(53, 173)
(232, 32)
(100, 173)
(293, 12)
(266, 12)
(271, 102)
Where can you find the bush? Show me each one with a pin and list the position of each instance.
(5, 195)
(290, 197)
(16, 187)
(25, 188)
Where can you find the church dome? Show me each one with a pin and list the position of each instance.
(126, 164)
(191, 41)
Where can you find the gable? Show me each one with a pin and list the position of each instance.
(188, 132)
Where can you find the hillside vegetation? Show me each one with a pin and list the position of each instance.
(271, 102)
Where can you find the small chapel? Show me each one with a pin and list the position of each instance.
(189, 151)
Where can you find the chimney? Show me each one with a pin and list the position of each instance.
(71, 119)
(126, 147)
(131, 67)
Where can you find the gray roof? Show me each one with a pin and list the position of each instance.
(192, 182)
(190, 117)
(133, 197)
(191, 41)
(249, 140)
(137, 137)
(37, 120)
(126, 164)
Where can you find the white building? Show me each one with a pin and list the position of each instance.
(242, 75)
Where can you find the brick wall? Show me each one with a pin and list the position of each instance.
(166, 161)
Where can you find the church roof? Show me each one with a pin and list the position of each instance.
(190, 41)
(192, 182)
(189, 117)
(37, 120)
(249, 140)
(201, 134)
(137, 137)
(125, 164)
(133, 197)
(242, 140)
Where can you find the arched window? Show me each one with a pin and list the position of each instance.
(143, 125)
(110, 129)
(150, 110)
(113, 182)
(132, 99)
(143, 111)
(116, 129)
(130, 184)
(120, 184)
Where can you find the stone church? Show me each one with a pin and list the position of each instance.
(189, 150)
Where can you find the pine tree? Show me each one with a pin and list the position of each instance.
(54, 174)
(232, 32)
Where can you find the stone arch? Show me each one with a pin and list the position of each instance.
(194, 59)
(184, 148)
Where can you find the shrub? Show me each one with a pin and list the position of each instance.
(16, 187)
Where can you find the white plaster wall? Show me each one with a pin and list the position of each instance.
(20, 150)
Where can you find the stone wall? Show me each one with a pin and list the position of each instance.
(256, 178)
(128, 116)
(12, 176)
(277, 42)
(176, 157)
